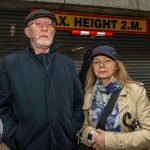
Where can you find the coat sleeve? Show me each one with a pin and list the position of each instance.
(85, 131)
(78, 113)
(135, 140)
(6, 96)
(86, 125)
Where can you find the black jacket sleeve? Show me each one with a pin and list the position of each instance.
(78, 116)
(6, 96)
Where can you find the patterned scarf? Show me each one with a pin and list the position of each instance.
(101, 95)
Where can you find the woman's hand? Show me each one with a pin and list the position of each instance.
(95, 134)
(98, 139)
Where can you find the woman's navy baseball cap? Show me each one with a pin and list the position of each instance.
(105, 50)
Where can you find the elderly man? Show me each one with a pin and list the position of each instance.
(40, 93)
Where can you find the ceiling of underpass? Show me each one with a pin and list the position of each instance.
(24, 6)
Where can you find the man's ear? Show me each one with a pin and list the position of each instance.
(26, 31)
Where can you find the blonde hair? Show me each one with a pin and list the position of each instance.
(121, 75)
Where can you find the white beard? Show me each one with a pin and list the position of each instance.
(43, 43)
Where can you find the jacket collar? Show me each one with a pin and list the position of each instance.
(125, 89)
(89, 93)
(53, 47)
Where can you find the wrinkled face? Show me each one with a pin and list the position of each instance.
(104, 68)
(41, 32)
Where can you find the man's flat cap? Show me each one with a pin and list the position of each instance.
(38, 14)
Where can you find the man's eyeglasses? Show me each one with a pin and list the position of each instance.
(40, 24)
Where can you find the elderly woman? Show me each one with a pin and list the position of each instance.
(127, 126)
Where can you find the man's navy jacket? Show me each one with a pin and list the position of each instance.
(41, 109)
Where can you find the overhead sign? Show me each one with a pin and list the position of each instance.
(92, 22)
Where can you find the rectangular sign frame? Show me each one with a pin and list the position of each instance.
(93, 22)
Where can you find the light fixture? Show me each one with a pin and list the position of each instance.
(78, 48)
(12, 29)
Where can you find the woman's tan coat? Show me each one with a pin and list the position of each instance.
(132, 99)
(3, 146)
